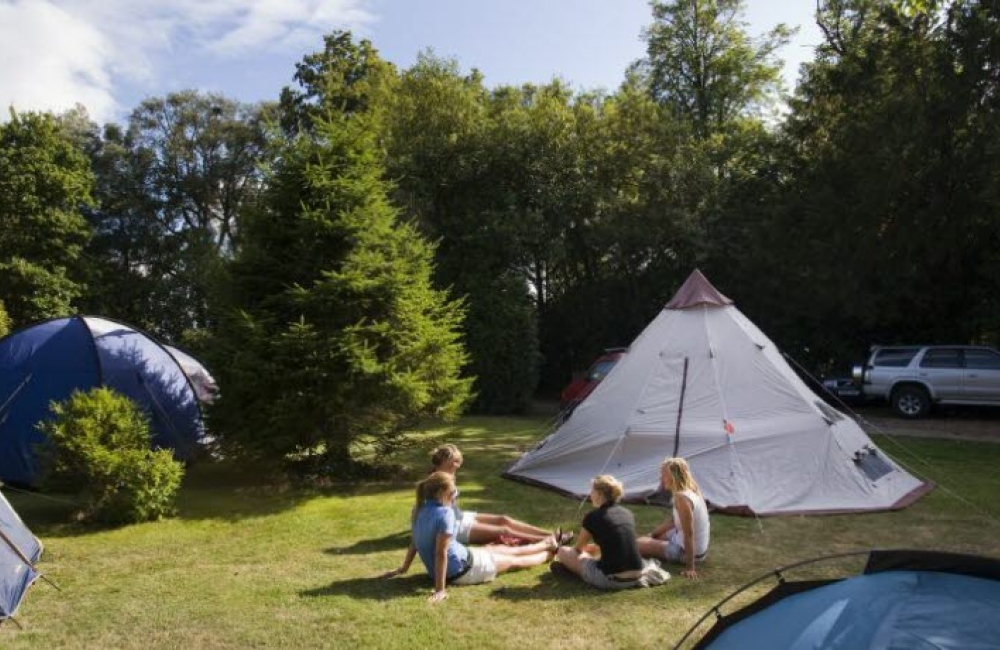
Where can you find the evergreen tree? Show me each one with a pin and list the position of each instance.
(337, 336)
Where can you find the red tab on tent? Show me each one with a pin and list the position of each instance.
(730, 429)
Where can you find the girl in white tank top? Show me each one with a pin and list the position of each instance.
(689, 519)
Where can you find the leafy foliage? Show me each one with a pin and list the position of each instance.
(4, 321)
(99, 444)
(44, 182)
(170, 189)
(703, 64)
(337, 337)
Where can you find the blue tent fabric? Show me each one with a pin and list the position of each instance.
(17, 543)
(909, 608)
(48, 361)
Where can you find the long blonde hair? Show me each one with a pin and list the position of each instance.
(434, 486)
(680, 473)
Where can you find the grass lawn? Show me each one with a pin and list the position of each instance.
(248, 564)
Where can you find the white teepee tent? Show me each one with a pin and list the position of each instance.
(702, 382)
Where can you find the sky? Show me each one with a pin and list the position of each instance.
(108, 55)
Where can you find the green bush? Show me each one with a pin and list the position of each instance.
(99, 442)
(4, 321)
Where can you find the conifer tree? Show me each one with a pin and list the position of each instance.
(337, 336)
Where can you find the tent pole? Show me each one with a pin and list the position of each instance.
(16, 391)
(24, 558)
(680, 410)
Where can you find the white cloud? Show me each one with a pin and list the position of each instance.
(57, 53)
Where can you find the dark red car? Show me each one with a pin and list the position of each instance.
(579, 388)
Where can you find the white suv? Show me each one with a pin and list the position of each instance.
(913, 377)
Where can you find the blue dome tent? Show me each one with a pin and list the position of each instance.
(47, 361)
(902, 599)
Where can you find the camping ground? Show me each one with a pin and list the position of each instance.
(252, 562)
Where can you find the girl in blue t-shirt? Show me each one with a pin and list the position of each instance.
(447, 560)
(475, 527)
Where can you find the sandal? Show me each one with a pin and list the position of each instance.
(563, 537)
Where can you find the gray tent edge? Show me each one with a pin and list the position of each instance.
(905, 501)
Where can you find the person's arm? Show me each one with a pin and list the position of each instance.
(440, 567)
(686, 515)
(660, 532)
(585, 544)
(411, 553)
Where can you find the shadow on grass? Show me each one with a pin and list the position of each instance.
(374, 588)
(548, 587)
(232, 491)
(393, 541)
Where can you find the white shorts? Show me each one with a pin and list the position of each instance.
(674, 552)
(465, 527)
(483, 568)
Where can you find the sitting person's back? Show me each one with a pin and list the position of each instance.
(613, 529)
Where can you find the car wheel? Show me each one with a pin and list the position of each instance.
(911, 401)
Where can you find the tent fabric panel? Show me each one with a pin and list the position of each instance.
(139, 368)
(696, 291)
(39, 365)
(205, 386)
(17, 532)
(15, 578)
(897, 609)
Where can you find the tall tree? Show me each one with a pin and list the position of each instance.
(171, 187)
(338, 336)
(442, 151)
(344, 77)
(702, 63)
(45, 181)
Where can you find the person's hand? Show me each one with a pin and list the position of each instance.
(438, 596)
(392, 574)
(690, 573)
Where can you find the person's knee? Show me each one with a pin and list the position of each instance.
(567, 555)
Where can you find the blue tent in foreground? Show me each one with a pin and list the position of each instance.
(47, 361)
(19, 552)
(903, 599)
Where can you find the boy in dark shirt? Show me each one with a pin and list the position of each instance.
(612, 528)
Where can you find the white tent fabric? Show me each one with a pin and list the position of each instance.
(205, 388)
(757, 439)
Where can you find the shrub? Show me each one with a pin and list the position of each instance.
(4, 321)
(99, 441)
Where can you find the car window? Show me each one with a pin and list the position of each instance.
(982, 360)
(942, 358)
(894, 358)
(599, 370)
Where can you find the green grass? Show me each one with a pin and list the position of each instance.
(248, 564)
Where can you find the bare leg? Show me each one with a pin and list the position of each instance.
(652, 548)
(519, 528)
(505, 563)
(548, 545)
(572, 559)
(507, 558)
(481, 533)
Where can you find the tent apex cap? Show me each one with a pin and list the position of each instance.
(695, 291)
